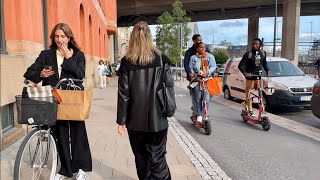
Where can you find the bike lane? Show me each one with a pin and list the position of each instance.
(245, 151)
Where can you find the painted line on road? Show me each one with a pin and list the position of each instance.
(205, 165)
(291, 125)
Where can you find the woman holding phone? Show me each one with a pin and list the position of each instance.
(64, 59)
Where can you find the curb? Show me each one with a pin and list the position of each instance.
(205, 165)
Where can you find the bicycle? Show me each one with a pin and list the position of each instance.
(37, 157)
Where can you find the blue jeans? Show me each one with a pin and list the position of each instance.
(198, 99)
(193, 100)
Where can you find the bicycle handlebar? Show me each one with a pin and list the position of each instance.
(68, 80)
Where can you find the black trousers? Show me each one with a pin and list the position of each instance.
(149, 149)
(73, 133)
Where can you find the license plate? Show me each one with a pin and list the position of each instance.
(305, 98)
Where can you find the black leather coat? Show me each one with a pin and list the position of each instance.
(138, 106)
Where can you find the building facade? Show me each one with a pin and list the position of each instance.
(194, 30)
(123, 36)
(25, 27)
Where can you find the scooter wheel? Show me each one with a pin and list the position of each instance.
(207, 127)
(266, 125)
(244, 119)
(243, 114)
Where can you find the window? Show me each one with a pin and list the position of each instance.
(2, 35)
(7, 117)
(282, 69)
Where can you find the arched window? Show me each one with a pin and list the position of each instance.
(90, 35)
(82, 27)
(2, 34)
(99, 43)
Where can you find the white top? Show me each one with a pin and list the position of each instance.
(100, 69)
(60, 59)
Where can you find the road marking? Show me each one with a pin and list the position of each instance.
(291, 125)
(205, 165)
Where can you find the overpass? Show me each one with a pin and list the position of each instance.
(133, 11)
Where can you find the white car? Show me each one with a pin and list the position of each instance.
(290, 87)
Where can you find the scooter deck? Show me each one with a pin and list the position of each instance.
(254, 120)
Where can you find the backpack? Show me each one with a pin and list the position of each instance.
(105, 70)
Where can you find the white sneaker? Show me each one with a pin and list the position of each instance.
(82, 175)
(199, 118)
(251, 114)
(59, 177)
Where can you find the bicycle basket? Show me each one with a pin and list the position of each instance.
(42, 110)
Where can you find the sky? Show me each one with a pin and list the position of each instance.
(236, 30)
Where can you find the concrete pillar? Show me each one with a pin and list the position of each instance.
(290, 30)
(253, 28)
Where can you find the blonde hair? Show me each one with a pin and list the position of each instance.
(141, 48)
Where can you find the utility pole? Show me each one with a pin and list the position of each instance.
(311, 40)
(311, 32)
(275, 28)
(181, 44)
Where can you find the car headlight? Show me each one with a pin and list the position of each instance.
(279, 86)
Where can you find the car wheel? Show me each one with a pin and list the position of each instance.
(266, 103)
(227, 94)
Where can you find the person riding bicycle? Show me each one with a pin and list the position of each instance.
(250, 64)
(203, 64)
(196, 38)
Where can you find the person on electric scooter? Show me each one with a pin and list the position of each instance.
(196, 38)
(250, 64)
(203, 64)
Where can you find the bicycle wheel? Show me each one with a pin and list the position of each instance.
(37, 157)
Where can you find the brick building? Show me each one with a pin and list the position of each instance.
(25, 27)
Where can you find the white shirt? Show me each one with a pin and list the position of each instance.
(100, 69)
(60, 59)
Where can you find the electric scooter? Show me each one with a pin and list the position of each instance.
(262, 118)
(205, 123)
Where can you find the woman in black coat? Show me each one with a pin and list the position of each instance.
(65, 60)
(138, 107)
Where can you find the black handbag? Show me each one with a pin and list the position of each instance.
(166, 93)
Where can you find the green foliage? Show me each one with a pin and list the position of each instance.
(221, 56)
(168, 30)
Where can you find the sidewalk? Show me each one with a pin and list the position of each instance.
(111, 155)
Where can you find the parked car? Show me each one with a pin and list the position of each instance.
(220, 69)
(315, 100)
(287, 87)
(176, 71)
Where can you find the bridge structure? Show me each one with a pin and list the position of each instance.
(133, 11)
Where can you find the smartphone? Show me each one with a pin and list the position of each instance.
(47, 67)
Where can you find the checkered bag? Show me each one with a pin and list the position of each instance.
(39, 91)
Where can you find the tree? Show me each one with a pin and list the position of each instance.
(168, 31)
(221, 56)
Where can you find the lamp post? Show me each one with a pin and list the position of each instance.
(181, 43)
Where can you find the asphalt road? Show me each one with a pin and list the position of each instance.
(244, 151)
